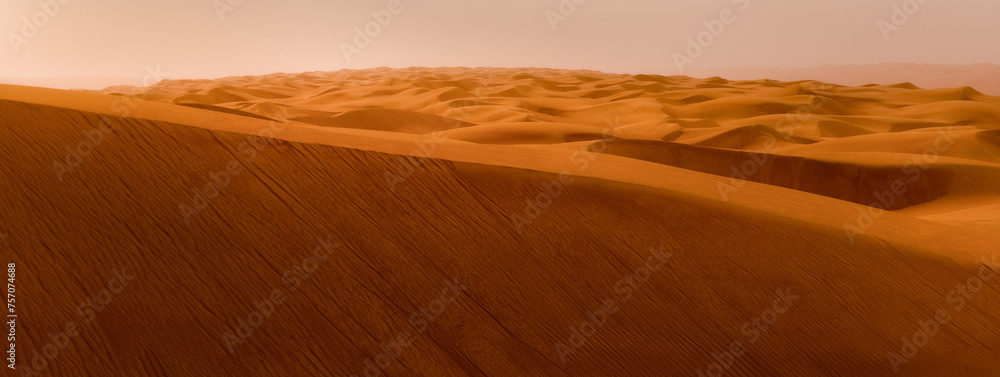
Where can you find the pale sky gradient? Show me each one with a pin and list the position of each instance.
(187, 39)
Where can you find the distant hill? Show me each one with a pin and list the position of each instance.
(93, 83)
(983, 77)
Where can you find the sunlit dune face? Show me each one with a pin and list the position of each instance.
(533, 221)
(500, 188)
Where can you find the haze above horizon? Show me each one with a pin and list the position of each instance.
(209, 39)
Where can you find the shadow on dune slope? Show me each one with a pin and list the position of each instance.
(200, 277)
(887, 186)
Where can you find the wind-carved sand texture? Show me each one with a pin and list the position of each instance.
(671, 215)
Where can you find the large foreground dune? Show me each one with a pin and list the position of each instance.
(502, 222)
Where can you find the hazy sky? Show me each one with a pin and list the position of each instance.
(189, 38)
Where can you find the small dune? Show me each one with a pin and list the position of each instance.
(386, 120)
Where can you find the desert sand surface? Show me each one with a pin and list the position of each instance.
(505, 222)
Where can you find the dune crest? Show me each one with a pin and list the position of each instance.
(800, 119)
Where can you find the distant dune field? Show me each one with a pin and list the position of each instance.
(983, 77)
(503, 222)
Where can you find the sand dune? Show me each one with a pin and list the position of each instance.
(386, 120)
(522, 231)
(850, 177)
